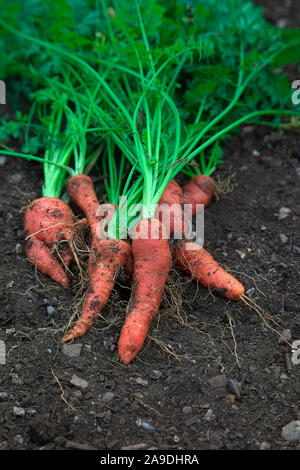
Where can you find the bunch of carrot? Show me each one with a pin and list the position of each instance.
(145, 143)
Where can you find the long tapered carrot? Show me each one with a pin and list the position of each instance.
(107, 256)
(48, 221)
(152, 262)
(202, 267)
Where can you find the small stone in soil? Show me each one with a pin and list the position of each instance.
(241, 253)
(264, 446)
(218, 381)
(155, 374)
(18, 248)
(286, 335)
(18, 411)
(138, 446)
(78, 446)
(235, 387)
(108, 397)
(145, 425)
(283, 212)
(291, 431)
(283, 238)
(77, 394)
(141, 381)
(107, 417)
(250, 291)
(72, 350)
(230, 399)
(78, 382)
(283, 377)
(187, 410)
(16, 379)
(50, 309)
(209, 415)
(19, 439)
(3, 395)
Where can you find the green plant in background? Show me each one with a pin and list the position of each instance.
(219, 62)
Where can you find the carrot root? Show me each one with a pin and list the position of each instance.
(152, 261)
(106, 258)
(48, 221)
(198, 190)
(42, 258)
(202, 267)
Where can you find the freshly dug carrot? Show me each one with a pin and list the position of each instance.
(170, 207)
(198, 190)
(106, 258)
(202, 267)
(152, 262)
(48, 221)
(172, 194)
(81, 190)
(41, 256)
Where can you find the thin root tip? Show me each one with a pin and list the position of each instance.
(126, 357)
(125, 362)
(67, 337)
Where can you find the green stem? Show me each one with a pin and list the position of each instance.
(226, 130)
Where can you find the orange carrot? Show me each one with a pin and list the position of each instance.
(41, 256)
(81, 190)
(198, 190)
(107, 257)
(48, 221)
(169, 208)
(105, 260)
(202, 267)
(172, 194)
(152, 262)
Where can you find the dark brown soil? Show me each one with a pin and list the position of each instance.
(213, 374)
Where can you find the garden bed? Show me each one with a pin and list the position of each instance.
(213, 374)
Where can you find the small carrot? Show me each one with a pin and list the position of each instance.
(198, 190)
(106, 258)
(202, 267)
(48, 221)
(152, 262)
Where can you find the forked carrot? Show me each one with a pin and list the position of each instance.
(202, 267)
(106, 258)
(48, 221)
(152, 262)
